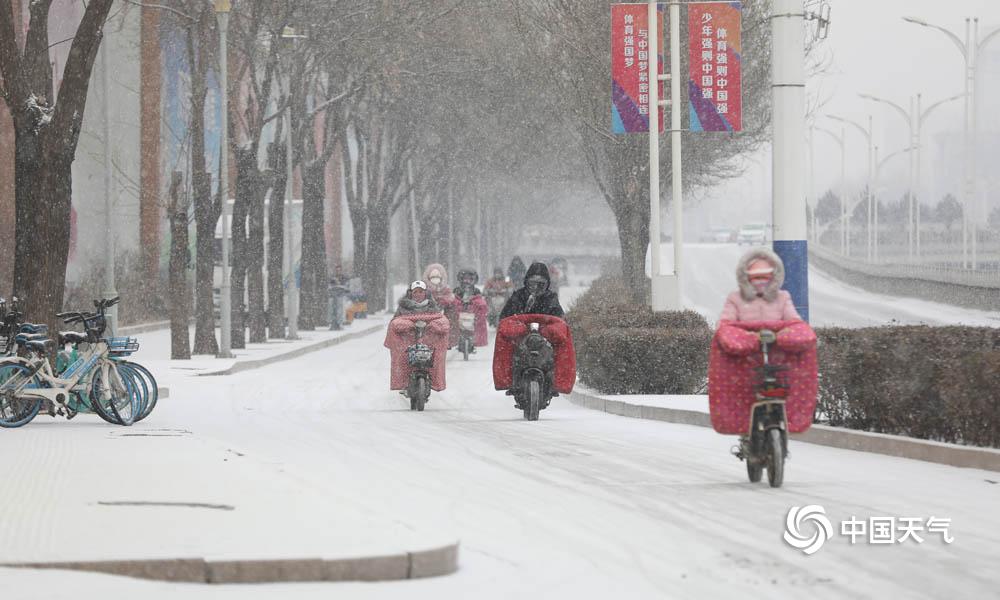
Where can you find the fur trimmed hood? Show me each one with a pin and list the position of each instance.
(747, 291)
(439, 268)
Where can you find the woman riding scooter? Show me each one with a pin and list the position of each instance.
(469, 314)
(418, 319)
(762, 367)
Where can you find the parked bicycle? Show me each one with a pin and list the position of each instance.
(93, 376)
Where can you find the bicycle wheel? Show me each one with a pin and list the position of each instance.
(153, 390)
(138, 382)
(16, 411)
(113, 400)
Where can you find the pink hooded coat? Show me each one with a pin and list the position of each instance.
(745, 305)
(400, 336)
(735, 352)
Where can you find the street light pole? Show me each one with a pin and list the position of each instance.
(878, 173)
(845, 221)
(909, 119)
(970, 50)
(867, 133)
(110, 289)
(922, 115)
(222, 8)
(291, 281)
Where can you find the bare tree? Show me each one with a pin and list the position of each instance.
(46, 132)
(572, 41)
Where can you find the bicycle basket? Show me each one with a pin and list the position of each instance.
(122, 346)
(420, 356)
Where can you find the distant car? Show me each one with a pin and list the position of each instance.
(718, 235)
(754, 234)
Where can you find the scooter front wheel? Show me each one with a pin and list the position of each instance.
(775, 458)
(422, 392)
(534, 401)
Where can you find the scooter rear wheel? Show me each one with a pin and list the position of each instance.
(775, 458)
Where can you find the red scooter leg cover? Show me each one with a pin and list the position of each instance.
(509, 334)
(401, 334)
(732, 379)
(480, 307)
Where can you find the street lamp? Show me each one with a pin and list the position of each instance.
(867, 133)
(878, 170)
(222, 8)
(845, 229)
(914, 118)
(970, 49)
(291, 281)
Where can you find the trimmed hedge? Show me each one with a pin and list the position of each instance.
(622, 348)
(936, 383)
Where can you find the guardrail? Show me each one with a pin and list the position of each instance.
(979, 278)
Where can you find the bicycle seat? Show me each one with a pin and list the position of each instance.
(39, 346)
(24, 338)
(33, 328)
(71, 337)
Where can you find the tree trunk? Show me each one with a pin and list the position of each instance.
(633, 237)
(255, 256)
(180, 295)
(205, 211)
(375, 267)
(206, 218)
(43, 189)
(246, 175)
(275, 246)
(314, 280)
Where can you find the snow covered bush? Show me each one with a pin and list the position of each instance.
(622, 348)
(936, 383)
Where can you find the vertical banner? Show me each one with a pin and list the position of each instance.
(630, 67)
(715, 85)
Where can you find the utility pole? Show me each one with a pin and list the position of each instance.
(110, 289)
(788, 93)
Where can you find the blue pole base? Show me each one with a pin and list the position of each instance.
(795, 255)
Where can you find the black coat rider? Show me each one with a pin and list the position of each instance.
(535, 297)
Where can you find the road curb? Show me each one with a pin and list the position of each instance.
(967, 457)
(434, 562)
(248, 365)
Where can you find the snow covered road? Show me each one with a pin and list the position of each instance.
(578, 505)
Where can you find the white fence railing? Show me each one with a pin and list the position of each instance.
(981, 278)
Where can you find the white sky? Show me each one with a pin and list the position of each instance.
(874, 51)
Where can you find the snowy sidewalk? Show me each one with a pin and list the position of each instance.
(693, 410)
(172, 503)
(154, 350)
